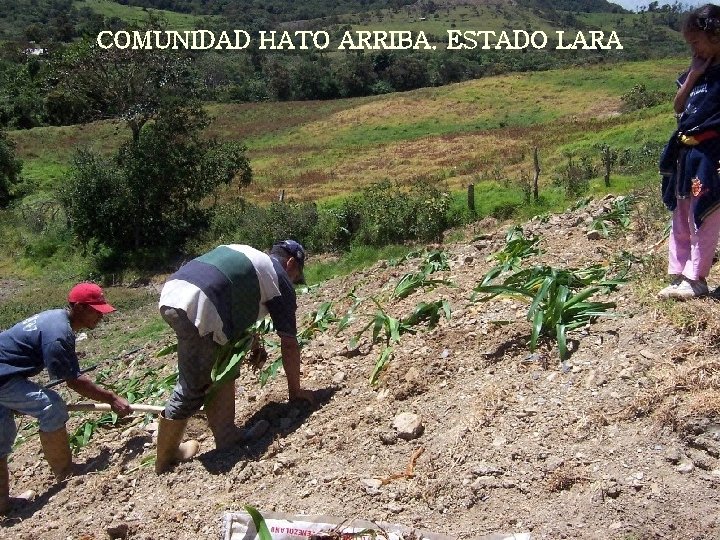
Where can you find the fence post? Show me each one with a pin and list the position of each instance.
(471, 198)
(536, 161)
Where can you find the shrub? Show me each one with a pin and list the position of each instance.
(262, 226)
(639, 97)
(576, 176)
(10, 168)
(150, 197)
(384, 214)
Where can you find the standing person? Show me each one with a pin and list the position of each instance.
(209, 301)
(689, 164)
(47, 340)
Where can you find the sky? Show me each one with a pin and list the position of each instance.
(634, 4)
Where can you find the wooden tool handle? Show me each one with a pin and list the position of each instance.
(105, 407)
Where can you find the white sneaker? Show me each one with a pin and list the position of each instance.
(666, 292)
(690, 288)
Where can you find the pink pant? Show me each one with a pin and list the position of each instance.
(692, 250)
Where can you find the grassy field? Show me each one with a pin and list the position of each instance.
(316, 150)
(480, 132)
(137, 15)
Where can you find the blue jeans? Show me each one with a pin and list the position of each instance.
(26, 397)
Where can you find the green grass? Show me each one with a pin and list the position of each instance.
(317, 149)
(358, 257)
(324, 151)
(138, 15)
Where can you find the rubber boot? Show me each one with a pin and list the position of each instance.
(220, 413)
(4, 487)
(56, 447)
(169, 449)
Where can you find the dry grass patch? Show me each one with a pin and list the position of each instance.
(565, 477)
(686, 387)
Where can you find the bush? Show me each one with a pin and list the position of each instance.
(382, 214)
(261, 227)
(576, 176)
(10, 168)
(639, 97)
(149, 198)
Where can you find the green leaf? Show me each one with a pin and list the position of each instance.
(561, 341)
(447, 309)
(270, 371)
(167, 350)
(394, 329)
(537, 326)
(380, 364)
(259, 522)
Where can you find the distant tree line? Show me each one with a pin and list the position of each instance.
(62, 78)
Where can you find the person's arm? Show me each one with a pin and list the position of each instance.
(697, 69)
(291, 364)
(85, 387)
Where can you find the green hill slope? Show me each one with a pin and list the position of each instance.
(322, 149)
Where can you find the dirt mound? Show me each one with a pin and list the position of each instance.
(613, 442)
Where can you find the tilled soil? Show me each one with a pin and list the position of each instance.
(620, 441)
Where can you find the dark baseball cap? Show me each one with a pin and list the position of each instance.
(295, 250)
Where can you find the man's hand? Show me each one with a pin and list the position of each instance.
(121, 406)
(305, 395)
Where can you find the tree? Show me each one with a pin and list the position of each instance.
(126, 83)
(150, 196)
(10, 168)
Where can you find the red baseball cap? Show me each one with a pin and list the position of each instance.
(90, 294)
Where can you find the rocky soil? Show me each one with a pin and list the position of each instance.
(467, 433)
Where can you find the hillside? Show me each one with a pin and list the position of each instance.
(458, 133)
(611, 443)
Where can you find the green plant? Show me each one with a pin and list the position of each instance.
(616, 219)
(575, 176)
(10, 168)
(152, 193)
(390, 329)
(321, 319)
(261, 527)
(517, 248)
(434, 261)
(556, 307)
(84, 432)
(639, 97)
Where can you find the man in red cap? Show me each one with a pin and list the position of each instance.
(47, 340)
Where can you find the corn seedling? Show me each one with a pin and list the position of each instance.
(409, 283)
(381, 363)
(145, 387)
(405, 258)
(263, 532)
(616, 219)
(435, 261)
(349, 317)
(26, 430)
(429, 312)
(84, 432)
(556, 308)
(517, 248)
(391, 328)
(321, 320)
